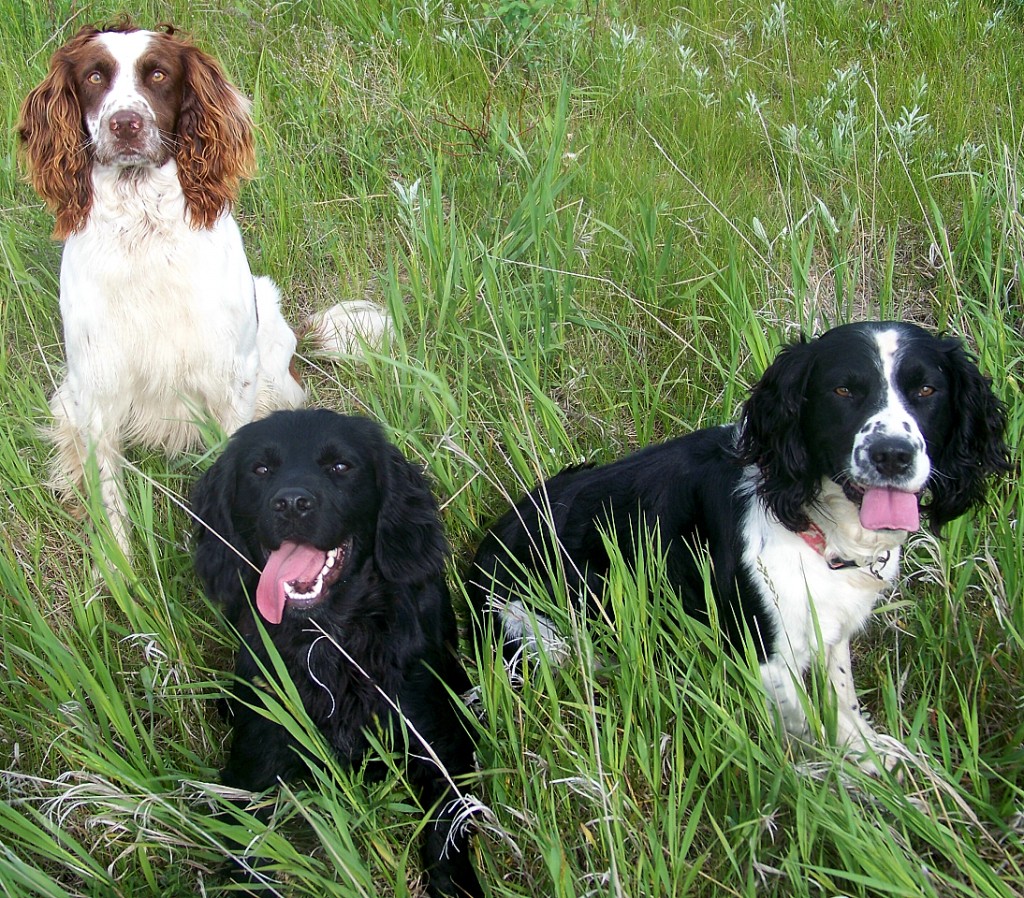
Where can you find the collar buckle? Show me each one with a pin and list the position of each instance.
(814, 536)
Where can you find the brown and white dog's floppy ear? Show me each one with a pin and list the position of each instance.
(215, 138)
(53, 140)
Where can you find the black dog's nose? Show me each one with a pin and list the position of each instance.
(293, 503)
(892, 457)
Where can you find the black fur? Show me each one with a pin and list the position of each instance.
(795, 431)
(390, 609)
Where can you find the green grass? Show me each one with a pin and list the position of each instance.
(594, 223)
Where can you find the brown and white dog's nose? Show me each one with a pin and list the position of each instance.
(126, 123)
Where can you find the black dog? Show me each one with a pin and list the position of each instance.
(802, 507)
(346, 534)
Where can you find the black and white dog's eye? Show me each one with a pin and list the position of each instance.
(924, 392)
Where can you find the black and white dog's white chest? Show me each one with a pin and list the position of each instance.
(817, 591)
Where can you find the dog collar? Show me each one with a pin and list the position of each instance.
(814, 536)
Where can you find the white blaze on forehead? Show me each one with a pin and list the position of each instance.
(893, 409)
(888, 342)
(123, 92)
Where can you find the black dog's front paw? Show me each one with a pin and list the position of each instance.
(447, 867)
(454, 878)
(238, 879)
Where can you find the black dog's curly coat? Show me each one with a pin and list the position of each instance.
(346, 534)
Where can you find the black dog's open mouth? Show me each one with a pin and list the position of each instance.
(298, 575)
(884, 508)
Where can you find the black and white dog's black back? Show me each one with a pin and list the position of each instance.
(317, 524)
(802, 506)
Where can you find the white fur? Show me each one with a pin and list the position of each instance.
(817, 608)
(341, 329)
(533, 632)
(160, 326)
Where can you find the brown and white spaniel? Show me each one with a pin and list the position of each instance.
(138, 143)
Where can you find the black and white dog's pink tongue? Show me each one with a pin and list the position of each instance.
(292, 563)
(888, 509)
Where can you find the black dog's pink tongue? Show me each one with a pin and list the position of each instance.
(889, 509)
(292, 563)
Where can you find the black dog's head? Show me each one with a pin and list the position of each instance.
(301, 501)
(884, 409)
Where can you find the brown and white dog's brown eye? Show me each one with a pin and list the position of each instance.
(94, 78)
(157, 76)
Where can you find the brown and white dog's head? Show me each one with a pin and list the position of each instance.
(133, 100)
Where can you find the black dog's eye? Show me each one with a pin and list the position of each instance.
(260, 469)
(844, 392)
(338, 467)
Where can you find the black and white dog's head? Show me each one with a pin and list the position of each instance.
(886, 411)
(309, 498)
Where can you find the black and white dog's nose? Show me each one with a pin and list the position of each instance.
(891, 457)
(293, 503)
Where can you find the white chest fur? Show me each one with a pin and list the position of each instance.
(815, 608)
(812, 605)
(150, 304)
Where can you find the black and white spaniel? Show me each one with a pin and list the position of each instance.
(317, 525)
(802, 507)
(138, 143)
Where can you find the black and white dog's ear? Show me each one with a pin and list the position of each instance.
(219, 555)
(771, 436)
(410, 544)
(977, 450)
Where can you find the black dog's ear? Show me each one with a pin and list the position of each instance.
(977, 450)
(771, 437)
(410, 542)
(219, 556)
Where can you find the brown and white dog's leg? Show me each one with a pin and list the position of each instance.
(78, 432)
